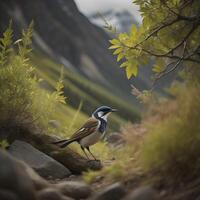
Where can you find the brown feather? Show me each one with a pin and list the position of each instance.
(89, 127)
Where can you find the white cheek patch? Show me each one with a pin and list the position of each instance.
(100, 114)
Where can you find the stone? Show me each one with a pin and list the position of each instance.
(8, 195)
(14, 179)
(49, 194)
(143, 193)
(115, 140)
(44, 165)
(38, 182)
(113, 192)
(75, 189)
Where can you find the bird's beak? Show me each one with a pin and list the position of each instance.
(114, 110)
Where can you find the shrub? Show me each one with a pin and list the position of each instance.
(22, 101)
(172, 146)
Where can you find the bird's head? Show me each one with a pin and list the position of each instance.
(103, 112)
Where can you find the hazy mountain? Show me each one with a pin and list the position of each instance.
(120, 19)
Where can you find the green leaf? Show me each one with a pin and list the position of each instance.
(117, 51)
(123, 36)
(133, 30)
(131, 70)
(124, 64)
(120, 56)
(114, 47)
(176, 2)
(114, 41)
(159, 66)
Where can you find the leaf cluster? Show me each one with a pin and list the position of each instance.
(169, 34)
(22, 101)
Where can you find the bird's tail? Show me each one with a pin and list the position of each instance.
(63, 143)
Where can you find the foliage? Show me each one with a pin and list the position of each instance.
(3, 144)
(22, 101)
(80, 89)
(169, 32)
(120, 162)
(172, 146)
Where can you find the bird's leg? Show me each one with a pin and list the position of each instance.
(88, 148)
(85, 153)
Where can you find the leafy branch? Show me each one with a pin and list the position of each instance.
(148, 42)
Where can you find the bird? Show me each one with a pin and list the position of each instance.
(91, 132)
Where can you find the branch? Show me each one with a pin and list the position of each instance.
(182, 17)
(165, 72)
(155, 32)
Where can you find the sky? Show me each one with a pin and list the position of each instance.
(90, 6)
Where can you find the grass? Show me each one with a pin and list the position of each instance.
(78, 89)
(120, 163)
(165, 147)
(172, 145)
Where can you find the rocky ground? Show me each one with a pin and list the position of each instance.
(33, 169)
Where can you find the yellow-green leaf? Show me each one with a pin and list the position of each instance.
(114, 47)
(120, 56)
(114, 41)
(133, 30)
(124, 64)
(117, 51)
(131, 70)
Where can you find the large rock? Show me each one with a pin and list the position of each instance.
(45, 166)
(15, 183)
(51, 194)
(38, 182)
(143, 193)
(112, 192)
(8, 195)
(74, 189)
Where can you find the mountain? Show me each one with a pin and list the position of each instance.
(63, 35)
(120, 19)
(67, 36)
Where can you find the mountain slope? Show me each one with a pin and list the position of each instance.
(67, 36)
(63, 35)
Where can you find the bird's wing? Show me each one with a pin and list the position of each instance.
(89, 127)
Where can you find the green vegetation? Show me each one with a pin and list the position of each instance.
(172, 145)
(22, 102)
(169, 32)
(79, 89)
(169, 150)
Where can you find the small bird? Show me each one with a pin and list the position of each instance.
(91, 132)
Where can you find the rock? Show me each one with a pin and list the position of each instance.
(44, 165)
(94, 164)
(73, 161)
(14, 180)
(143, 193)
(39, 182)
(112, 192)
(115, 140)
(49, 194)
(8, 195)
(74, 189)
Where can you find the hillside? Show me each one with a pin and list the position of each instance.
(64, 36)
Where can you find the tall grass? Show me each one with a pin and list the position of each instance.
(172, 147)
(23, 104)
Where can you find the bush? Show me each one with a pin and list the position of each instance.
(172, 147)
(22, 101)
